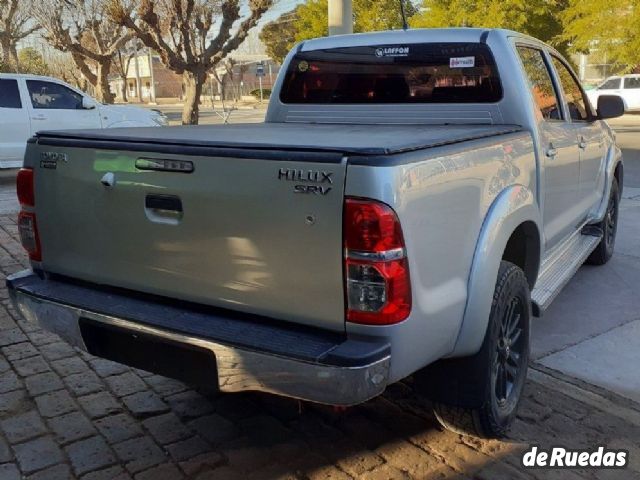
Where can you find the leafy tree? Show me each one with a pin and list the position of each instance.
(31, 61)
(610, 28)
(539, 18)
(279, 35)
(181, 31)
(310, 20)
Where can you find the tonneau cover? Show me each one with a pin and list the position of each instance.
(348, 139)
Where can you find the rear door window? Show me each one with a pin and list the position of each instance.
(413, 73)
(53, 96)
(540, 83)
(9, 93)
(632, 82)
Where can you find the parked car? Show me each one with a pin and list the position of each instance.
(625, 86)
(30, 103)
(412, 200)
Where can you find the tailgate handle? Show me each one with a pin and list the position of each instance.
(163, 202)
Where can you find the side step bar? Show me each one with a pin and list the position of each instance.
(561, 266)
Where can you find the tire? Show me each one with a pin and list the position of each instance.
(609, 226)
(479, 395)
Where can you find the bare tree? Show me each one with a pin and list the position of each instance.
(62, 66)
(178, 30)
(15, 24)
(82, 28)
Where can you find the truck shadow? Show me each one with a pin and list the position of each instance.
(396, 436)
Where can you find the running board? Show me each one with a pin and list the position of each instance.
(560, 267)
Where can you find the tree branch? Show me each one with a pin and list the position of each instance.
(258, 8)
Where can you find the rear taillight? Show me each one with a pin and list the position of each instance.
(29, 235)
(27, 220)
(378, 288)
(24, 187)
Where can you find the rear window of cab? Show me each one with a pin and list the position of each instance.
(413, 73)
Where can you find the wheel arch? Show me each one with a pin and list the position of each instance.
(618, 174)
(523, 250)
(513, 216)
(613, 168)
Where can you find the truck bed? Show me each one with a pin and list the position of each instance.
(347, 139)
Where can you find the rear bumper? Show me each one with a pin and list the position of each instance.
(245, 353)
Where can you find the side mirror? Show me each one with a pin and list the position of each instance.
(610, 106)
(88, 104)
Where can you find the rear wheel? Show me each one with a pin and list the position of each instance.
(479, 395)
(609, 226)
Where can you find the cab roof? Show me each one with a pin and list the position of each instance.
(414, 35)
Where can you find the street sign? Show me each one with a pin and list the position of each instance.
(260, 70)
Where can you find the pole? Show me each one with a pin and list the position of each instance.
(137, 70)
(260, 80)
(152, 91)
(340, 17)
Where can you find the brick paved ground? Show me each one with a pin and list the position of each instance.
(65, 414)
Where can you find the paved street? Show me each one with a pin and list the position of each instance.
(65, 414)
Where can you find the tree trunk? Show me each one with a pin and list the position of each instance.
(124, 88)
(103, 91)
(193, 83)
(5, 43)
(13, 51)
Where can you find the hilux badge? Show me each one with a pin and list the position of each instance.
(306, 177)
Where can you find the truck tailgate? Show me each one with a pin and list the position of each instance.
(230, 233)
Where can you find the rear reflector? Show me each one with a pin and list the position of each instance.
(377, 285)
(24, 187)
(29, 235)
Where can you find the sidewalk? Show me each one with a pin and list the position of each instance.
(596, 319)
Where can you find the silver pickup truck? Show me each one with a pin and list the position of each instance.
(413, 199)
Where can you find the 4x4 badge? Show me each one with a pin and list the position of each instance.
(50, 159)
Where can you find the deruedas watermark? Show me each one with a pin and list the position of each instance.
(563, 457)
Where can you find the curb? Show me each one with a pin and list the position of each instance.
(597, 397)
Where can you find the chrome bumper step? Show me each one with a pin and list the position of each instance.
(559, 267)
(239, 352)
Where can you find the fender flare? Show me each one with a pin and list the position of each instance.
(614, 158)
(512, 207)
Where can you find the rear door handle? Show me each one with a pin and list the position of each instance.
(582, 143)
(169, 203)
